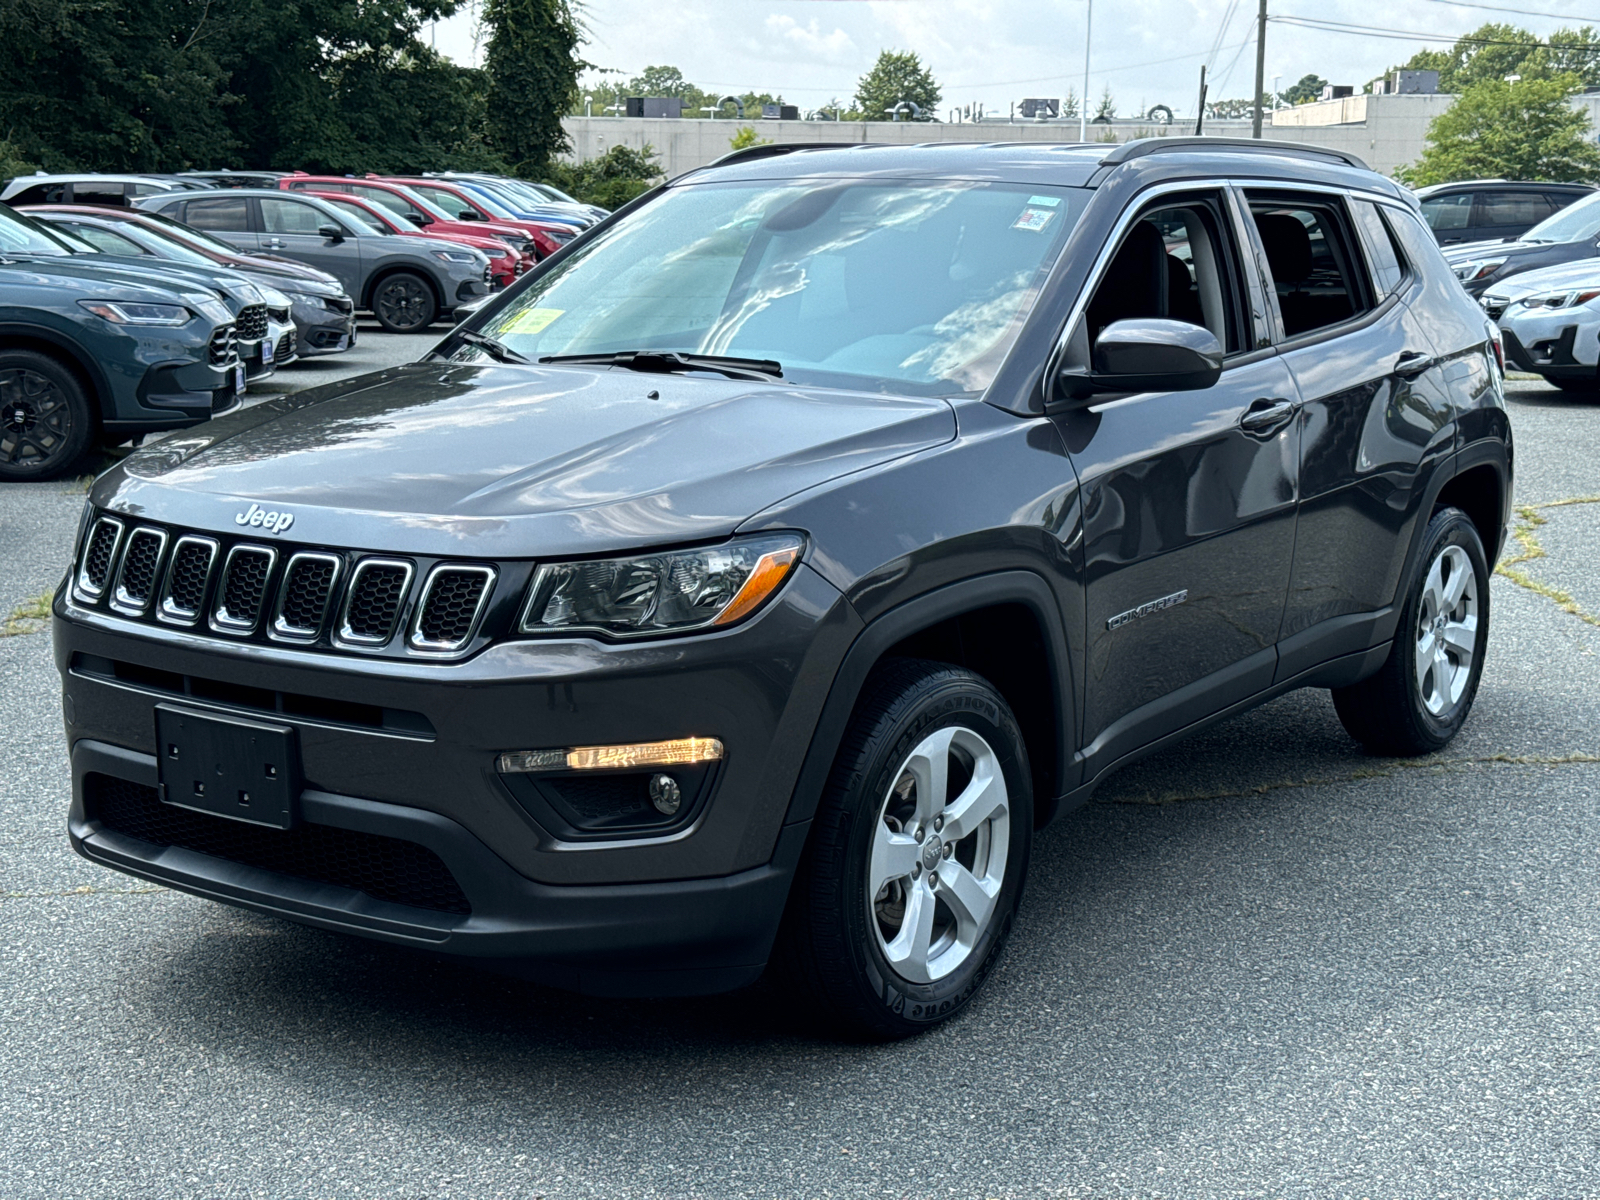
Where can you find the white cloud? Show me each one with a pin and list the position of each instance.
(811, 42)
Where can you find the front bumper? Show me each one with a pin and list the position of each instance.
(322, 330)
(1558, 343)
(682, 937)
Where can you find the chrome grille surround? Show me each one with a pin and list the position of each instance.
(223, 620)
(171, 610)
(283, 627)
(124, 598)
(96, 548)
(417, 639)
(344, 635)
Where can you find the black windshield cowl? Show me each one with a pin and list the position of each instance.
(663, 362)
(496, 349)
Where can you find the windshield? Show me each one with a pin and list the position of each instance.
(190, 235)
(1571, 224)
(918, 287)
(167, 247)
(487, 199)
(24, 235)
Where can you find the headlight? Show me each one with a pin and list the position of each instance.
(1479, 268)
(672, 592)
(1559, 299)
(273, 297)
(123, 312)
(457, 256)
(561, 237)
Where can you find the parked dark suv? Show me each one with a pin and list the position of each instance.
(749, 581)
(1492, 210)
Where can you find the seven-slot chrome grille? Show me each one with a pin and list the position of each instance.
(251, 323)
(248, 590)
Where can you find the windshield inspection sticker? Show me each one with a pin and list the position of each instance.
(1033, 219)
(533, 320)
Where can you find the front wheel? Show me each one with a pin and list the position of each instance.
(1421, 697)
(917, 855)
(404, 303)
(46, 424)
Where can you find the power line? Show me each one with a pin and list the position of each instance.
(1380, 31)
(1521, 12)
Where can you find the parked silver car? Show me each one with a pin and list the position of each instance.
(407, 282)
(1549, 323)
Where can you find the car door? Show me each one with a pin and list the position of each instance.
(1189, 496)
(1498, 215)
(291, 227)
(226, 217)
(1374, 420)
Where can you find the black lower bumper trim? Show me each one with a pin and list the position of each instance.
(680, 937)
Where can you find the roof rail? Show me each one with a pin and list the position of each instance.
(1179, 145)
(752, 153)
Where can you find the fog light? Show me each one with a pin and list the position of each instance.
(665, 794)
(680, 752)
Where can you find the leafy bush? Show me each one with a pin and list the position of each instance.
(611, 180)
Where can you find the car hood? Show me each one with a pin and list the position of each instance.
(516, 461)
(77, 281)
(1506, 250)
(1583, 273)
(238, 290)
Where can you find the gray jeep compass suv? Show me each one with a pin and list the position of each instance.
(750, 581)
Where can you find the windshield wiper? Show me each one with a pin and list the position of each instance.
(496, 349)
(668, 361)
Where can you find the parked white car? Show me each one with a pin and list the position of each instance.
(1550, 322)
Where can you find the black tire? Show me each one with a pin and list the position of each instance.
(404, 303)
(1410, 707)
(46, 424)
(834, 949)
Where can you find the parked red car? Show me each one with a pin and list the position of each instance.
(417, 209)
(504, 262)
(454, 198)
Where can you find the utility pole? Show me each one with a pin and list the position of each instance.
(1261, 65)
(1083, 107)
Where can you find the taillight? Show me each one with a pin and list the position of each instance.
(1499, 349)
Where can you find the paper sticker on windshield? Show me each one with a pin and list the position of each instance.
(1033, 219)
(533, 320)
(1045, 201)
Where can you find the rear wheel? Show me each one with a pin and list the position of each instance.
(404, 303)
(45, 420)
(917, 856)
(1421, 697)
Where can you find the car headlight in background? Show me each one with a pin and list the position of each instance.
(124, 312)
(458, 256)
(279, 304)
(672, 592)
(1479, 268)
(1569, 299)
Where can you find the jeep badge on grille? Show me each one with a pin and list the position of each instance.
(272, 522)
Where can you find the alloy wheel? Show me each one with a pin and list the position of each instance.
(405, 304)
(939, 850)
(35, 418)
(1447, 631)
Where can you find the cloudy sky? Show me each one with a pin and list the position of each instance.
(997, 51)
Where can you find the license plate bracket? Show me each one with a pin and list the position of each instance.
(235, 768)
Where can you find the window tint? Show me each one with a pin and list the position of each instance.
(357, 217)
(291, 216)
(148, 189)
(451, 204)
(40, 193)
(105, 241)
(223, 213)
(1173, 263)
(1443, 213)
(1383, 259)
(389, 200)
(1511, 208)
(1313, 272)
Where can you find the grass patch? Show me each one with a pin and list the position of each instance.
(1525, 533)
(28, 617)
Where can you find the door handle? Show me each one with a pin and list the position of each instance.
(1266, 414)
(1411, 364)
(274, 244)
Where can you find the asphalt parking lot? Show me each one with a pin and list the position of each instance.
(1261, 964)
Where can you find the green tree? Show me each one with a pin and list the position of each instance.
(1307, 89)
(532, 66)
(893, 78)
(745, 137)
(611, 180)
(1495, 50)
(1498, 130)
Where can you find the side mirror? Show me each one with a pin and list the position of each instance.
(1147, 354)
(468, 214)
(332, 232)
(419, 218)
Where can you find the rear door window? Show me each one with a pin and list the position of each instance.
(1311, 255)
(1383, 256)
(291, 216)
(1521, 209)
(227, 214)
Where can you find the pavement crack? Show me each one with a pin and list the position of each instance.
(1382, 771)
(85, 890)
(1526, 535)
(28, 617)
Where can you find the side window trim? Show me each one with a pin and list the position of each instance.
(1408, 275)
(1266, 321)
